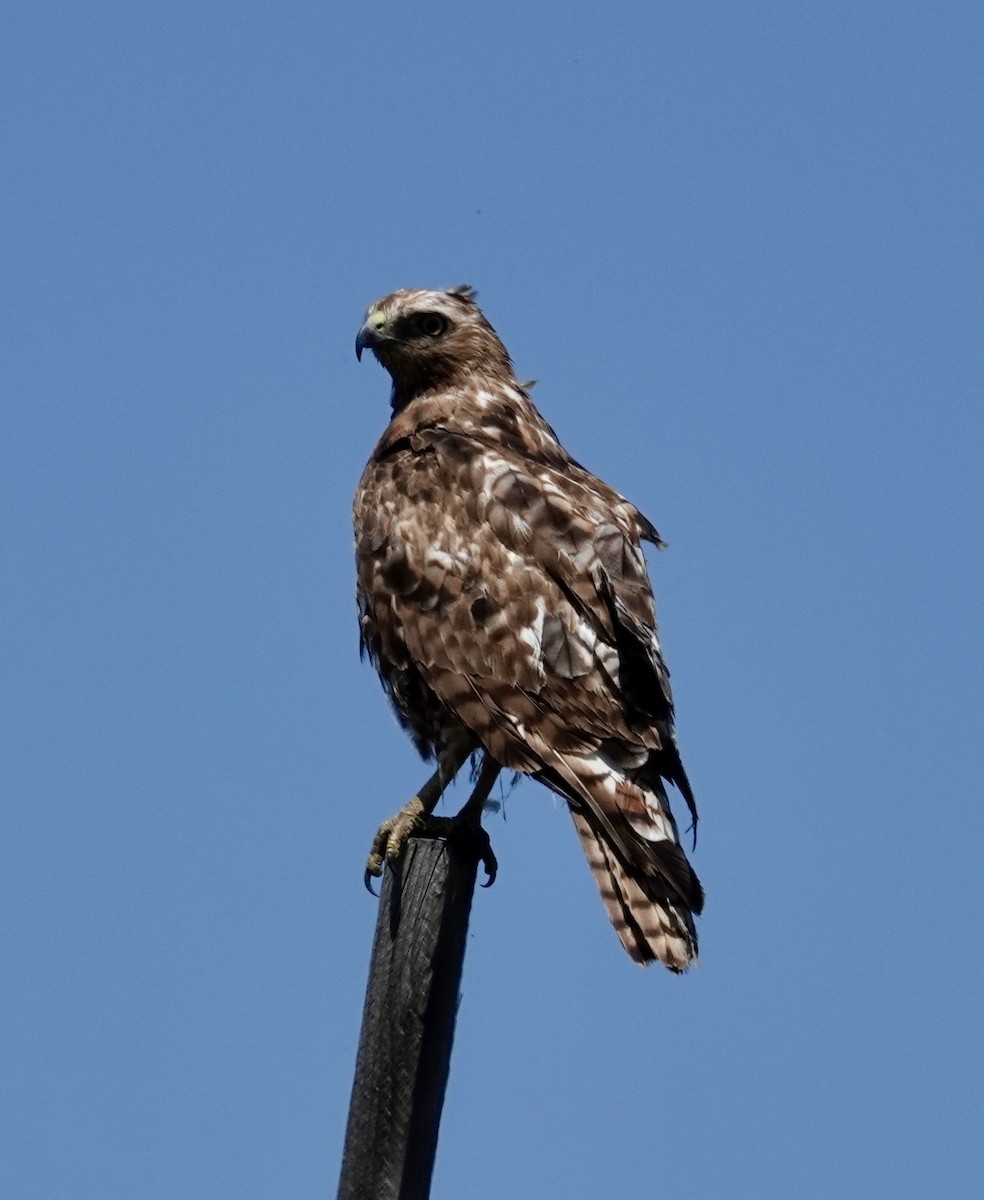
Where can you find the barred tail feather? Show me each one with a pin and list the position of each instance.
(651, 926)
(623, 817)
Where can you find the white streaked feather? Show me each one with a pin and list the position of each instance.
(532, 635)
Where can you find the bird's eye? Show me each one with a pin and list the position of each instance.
(432, 324)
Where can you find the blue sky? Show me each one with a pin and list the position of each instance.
(740, 248)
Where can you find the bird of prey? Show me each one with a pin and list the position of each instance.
(504, 600)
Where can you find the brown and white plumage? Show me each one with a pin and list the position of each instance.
(504, 600)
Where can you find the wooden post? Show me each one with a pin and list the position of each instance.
(401, 1070)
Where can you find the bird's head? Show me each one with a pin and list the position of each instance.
(428, 340)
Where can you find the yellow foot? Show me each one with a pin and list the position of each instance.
(392, 836)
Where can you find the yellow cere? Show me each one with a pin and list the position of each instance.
(376, 320)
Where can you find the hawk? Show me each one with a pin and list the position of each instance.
(504, 601)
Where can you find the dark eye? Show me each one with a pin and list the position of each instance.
(432, 324)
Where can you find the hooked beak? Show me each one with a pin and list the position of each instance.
(365, 340)
(370, 334)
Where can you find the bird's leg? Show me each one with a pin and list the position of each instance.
(392, 835)
(468, 823)
(465, 827)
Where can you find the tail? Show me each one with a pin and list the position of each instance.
(650, 890)
(651, 926)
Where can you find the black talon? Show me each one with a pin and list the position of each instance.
(490, 864)
(474, 838)
(482, 844)
(367, 880)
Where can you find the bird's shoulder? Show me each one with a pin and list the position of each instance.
(485, 457)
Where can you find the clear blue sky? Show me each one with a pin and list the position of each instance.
(740, 248)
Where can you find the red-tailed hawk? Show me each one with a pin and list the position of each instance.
(504, 601)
